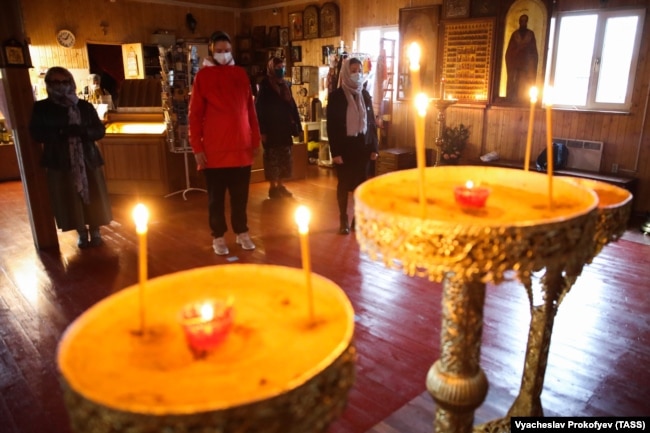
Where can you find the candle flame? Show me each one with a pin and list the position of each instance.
(469, 184)
(421, 103)
(533, 95)
(414, 54)
(548, 96)
(207, 311)
(140, 216)
(302, 217)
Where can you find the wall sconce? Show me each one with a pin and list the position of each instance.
(275, 11)
(104, 26)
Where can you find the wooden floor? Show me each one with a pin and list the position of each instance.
(600, 350)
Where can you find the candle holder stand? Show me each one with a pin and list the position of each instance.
(615, 206)
(466, 251)
(441, 105)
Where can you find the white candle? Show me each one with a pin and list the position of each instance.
(548, 100)
(302, 217)
(531, 120)
(414, 54)
(421, 103)
(141, 217)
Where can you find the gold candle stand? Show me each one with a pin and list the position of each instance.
(465, 249)
(277, 371)
(614, 208)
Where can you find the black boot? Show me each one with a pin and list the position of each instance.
(344, 228)
(274, 192)
(83, 238)
(95, 238)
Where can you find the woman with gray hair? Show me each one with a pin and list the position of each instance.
(68, 127)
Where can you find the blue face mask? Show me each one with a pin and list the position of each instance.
(279, 73)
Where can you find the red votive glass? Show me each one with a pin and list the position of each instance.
(207, 324)
(471, 196)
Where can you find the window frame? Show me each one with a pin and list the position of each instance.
(602, 16)
(383, 30)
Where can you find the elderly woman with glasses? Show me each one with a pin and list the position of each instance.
(67, 127)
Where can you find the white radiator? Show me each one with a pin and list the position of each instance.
(583, 154)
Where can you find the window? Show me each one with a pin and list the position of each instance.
(371, 40)
(593, 57)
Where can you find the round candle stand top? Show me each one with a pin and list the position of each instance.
(519, 230)
(614, 209)
(277, 370)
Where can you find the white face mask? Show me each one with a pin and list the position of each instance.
(223, 58)
(357, 77)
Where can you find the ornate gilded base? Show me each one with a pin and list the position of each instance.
(308, 408)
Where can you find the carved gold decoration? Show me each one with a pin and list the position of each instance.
(308, 408)
(515, 231)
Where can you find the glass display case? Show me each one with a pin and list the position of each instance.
(137, 158)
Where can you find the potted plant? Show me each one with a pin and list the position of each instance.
(455, 139)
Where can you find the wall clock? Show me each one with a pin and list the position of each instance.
(65, 38)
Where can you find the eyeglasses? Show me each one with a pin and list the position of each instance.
(58, 82)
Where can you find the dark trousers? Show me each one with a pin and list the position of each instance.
(236, 181)
(353, 172)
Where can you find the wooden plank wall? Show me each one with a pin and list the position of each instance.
(494, 128)
(128, 21)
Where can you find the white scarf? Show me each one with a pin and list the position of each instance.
(356, 113)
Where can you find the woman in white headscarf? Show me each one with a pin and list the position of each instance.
(352, 134)
(68, 127)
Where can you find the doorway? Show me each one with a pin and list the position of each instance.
(106, 61)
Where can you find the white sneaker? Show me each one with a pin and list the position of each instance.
(245, 241)
(220, 247)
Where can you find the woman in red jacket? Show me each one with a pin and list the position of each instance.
(225, 137)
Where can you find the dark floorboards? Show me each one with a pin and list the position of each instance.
(599, 352)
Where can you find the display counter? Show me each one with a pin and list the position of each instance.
(137, 159)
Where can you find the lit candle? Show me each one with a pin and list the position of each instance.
(548, 100)
(421, 103)
(207, 324)
(414, 54)
(302, 217)
(471, 196)
(141, 217)
(529, 139)
(442, 88)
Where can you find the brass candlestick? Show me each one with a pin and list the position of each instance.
(441, 105)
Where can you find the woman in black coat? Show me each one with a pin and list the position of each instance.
(277, 114)
(352, 134)
(68, 127)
